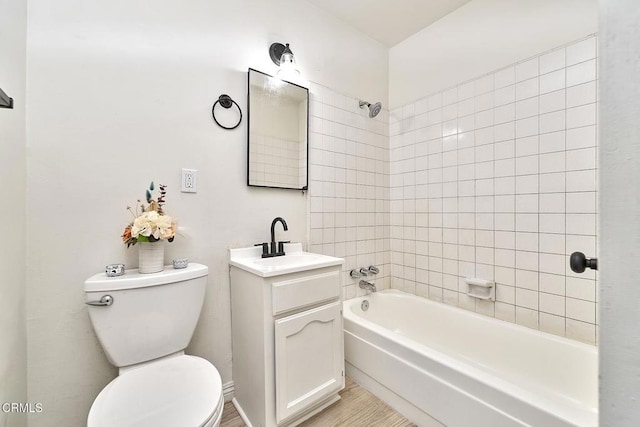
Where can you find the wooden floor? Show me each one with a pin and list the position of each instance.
(357, 408)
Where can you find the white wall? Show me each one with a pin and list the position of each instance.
(13, 30)
(120, 93)
(620, 213)
(482, 36)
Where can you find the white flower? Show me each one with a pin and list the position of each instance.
(152, 224)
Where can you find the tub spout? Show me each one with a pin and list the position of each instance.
(367, 286)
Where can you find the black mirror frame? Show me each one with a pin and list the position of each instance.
(305, 187)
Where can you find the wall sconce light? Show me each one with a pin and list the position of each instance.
(5, 100)
(282, 56)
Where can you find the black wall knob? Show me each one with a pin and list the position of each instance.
(579, 262)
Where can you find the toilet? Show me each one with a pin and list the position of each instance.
(144, 322)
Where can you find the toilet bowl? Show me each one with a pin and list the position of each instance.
(144, 329)
(177, 391)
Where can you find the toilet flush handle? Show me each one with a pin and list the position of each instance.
(105, 301)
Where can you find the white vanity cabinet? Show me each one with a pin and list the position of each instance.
(288, 348)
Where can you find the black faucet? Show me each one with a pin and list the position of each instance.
(273, 249)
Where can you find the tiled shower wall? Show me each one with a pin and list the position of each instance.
(349, 185)
(496, 179)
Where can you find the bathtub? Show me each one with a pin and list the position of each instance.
(441, 365)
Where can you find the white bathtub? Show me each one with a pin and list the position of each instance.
(443, 365)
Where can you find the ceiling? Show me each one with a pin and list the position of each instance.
(389, 21)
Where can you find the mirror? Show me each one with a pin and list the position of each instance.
(278, 133)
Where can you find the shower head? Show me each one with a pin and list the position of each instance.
(374, 109)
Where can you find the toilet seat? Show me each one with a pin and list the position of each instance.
(179, 391)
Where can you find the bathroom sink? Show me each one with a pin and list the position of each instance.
(295, 260)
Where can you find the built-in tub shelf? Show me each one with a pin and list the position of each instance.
(481, 289)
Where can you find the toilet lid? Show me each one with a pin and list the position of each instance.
(180, 391)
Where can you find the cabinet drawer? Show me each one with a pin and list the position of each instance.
(304, 291)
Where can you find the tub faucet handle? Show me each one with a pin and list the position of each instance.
(373, 269)
(355, 274)
(364, 271)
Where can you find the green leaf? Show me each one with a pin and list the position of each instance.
(148, 196)
(143, 238)
(152, 187)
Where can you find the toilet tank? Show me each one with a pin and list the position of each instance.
(152, 315)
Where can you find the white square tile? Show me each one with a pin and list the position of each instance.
(527, 108)
(505, 95)
(504, 203)
(506, 185)
(527, 69)
(434, 101)
(527, 165)
(552, 223)
(554, 304)
(484, 101)
(552, 263)
(552, 182)
(504, 240)
(505, 258)
(504, 113)
(584, 202)
(466, 107)
(552, 81)
(552, 122)
(552, 243)
(552, 101)
(552, 142)
(504, 150)
(581, 137)
(584, 289)
(527, 279)
(552, 283)
(581, 181)
(527, 203)
(526, 242)
(581, 51)
(581, 116)
(552, 61)
(584, 158)
(504, 221)
(527, 184)
(484, 84)
(584, 224)
(581, 73)
(484, 119)
(527, 89)
(504, 167)
(504, 77)
(552, 203)
(584, 311)
(581, 94)
(527, 222)
(552, 162)
(504, 132)
(526, 298)
(527, 127)
(527, 146)
(466, 91)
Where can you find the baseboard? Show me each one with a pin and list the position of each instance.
(241, 413)
(227, 391)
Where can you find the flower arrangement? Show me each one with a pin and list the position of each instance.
(150, 223)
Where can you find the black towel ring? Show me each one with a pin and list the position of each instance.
(226, 102)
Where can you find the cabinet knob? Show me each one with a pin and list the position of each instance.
(579, 262)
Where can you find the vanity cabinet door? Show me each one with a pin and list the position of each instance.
(309, 354)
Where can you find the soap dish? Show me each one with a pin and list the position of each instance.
(180, 263)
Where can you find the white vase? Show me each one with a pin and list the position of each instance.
(150, 257)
